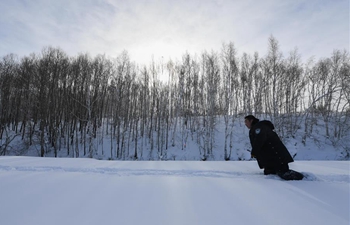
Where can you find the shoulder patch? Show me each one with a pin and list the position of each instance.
(257, 131)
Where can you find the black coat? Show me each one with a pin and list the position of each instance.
(267, 147)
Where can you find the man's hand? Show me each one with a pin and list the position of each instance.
(251, 155)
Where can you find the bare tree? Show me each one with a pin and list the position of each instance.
(294, 89)
(273, 70)
(211, 81)
(230, 90)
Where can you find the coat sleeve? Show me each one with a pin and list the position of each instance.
(258, 139)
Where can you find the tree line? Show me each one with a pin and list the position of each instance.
(73, 104)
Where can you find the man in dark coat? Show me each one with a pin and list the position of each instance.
(271, 154)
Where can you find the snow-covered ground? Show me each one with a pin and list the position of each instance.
(50, 191)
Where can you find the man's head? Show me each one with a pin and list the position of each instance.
(250, 120)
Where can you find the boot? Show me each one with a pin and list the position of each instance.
(290, 175)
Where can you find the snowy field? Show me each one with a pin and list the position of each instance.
(50, 191)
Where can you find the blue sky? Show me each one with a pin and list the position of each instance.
(170, 28)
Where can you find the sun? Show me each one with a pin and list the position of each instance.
(162, 50)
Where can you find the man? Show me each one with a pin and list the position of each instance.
(271, 154)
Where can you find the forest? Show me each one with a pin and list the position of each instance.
(64, 103)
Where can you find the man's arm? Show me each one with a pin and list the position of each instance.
(259, 136)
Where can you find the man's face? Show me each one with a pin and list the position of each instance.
(248, 123)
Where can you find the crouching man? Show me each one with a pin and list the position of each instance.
(269, 151)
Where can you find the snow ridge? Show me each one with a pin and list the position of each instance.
(163, 172)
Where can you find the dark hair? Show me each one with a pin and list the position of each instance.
(251, 117)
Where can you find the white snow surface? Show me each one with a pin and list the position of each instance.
(50, 191)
